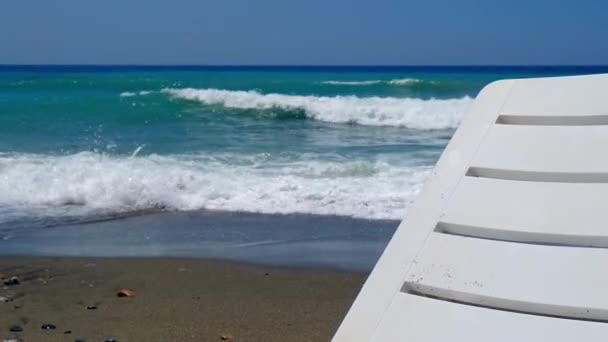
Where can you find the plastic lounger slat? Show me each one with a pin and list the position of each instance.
(416, 318)
(526, 278)
(534, 176)
(571, 214)
(540, 120)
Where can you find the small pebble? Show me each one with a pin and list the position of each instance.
(67, 332)
(91, 307)
(15, 328)
(110, 339)
(48, 327)
(125, 293)
(226, 337)
(12, 281)
(80, 340)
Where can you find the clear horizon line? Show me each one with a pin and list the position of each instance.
(307, 65)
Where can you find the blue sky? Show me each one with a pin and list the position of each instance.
(304, 32)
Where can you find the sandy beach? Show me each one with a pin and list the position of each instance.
(197, 276)
(176, 300)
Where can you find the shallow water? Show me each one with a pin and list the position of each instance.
(295, 240)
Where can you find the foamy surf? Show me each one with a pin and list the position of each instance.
(352, 83)
(394, 82)
(91, 184)
(372, 111)
(410, 81)
(130, 93)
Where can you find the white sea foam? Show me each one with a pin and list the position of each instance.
(409, 81)
(373, 111)
(90, 183)
(353, 83)
(395, 82)
(129, 93)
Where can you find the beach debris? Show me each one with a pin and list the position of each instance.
(67, 332)
(48, 326)
(110, 339)
(92, 307)
(5, 299)
(80, 340)
(226, 337)
(12, 281)
(11, 340)
(15, 328)
(125, 293)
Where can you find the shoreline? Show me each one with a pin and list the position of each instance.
(176, 299)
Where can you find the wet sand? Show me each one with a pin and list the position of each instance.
(176, 300)
(294, 240)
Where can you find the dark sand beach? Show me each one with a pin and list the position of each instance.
(196, 275)
(176, 300)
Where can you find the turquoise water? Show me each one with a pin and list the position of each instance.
(78, 142)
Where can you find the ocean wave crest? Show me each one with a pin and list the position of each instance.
(394, 82)
(372, 111)
(411, 81)
(352, 83)
(97, 184)
(130, 93)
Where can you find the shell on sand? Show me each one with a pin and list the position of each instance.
(125, 293)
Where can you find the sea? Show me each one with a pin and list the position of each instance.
(85, 144)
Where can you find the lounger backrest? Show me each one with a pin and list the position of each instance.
(508, 240)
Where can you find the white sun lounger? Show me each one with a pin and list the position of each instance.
(508, 240)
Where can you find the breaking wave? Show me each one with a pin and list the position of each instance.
(89, 183)
(353, 83)
(411, 81)
(372, 111)
(395, 82)
(130, 93)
